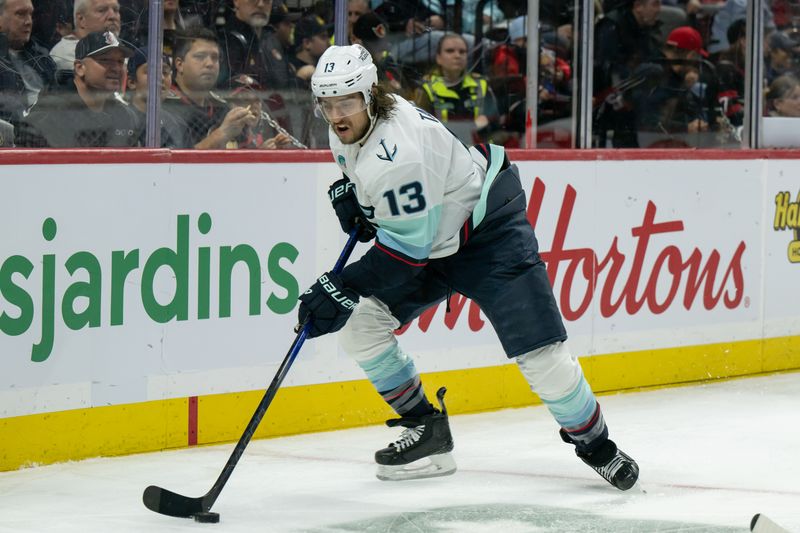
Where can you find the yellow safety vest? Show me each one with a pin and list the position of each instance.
(473, 86)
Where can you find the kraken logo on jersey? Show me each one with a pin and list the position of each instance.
(341, 161)
(388, 156)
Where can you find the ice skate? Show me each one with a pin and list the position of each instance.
(614, 465)
(422, 450)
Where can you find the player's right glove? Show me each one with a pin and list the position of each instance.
(343, 198)
(328, 303)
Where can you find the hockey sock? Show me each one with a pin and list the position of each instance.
(555, 375)
(396, 378)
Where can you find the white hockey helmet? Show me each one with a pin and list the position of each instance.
(344, 70)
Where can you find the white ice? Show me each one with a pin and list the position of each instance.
(711, 456)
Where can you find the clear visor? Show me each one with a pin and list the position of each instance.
(336, 108)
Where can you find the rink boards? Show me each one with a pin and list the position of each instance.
(147, 303)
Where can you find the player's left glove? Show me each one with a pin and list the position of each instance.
(343, 198)
(328, 303)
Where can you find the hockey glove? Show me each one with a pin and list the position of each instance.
(343, 198)
(328, 303)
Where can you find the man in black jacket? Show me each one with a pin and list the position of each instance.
(92, 115)
(25, 67)
(624, 39)
(247, 47)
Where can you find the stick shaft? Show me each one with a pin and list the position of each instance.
(238, 450)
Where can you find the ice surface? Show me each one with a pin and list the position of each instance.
(711, 456)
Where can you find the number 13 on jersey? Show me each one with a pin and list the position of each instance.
(409, 198)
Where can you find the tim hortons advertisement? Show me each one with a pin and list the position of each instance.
(639, 250)
(142, 282)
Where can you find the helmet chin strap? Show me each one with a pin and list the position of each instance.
(373, 118)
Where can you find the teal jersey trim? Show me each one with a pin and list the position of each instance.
(412, 237)
(498, 155)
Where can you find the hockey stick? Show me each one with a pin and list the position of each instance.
(762, 524)
(172, 504)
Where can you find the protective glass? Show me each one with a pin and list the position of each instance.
(337, 108)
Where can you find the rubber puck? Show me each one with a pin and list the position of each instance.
(206, 518)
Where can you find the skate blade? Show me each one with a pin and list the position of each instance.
(438, 465)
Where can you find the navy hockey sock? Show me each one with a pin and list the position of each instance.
(396, 378)
(408, 399)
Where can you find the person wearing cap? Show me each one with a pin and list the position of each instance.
(92, 115)
(462, 100)
(370, 31)
(281, 26)
(245, 92)
(781, 56)
(683, 102)
(211, 122)
(173, 130)
(26, 68)
(89, 16)
(311, 39)
(248, 47)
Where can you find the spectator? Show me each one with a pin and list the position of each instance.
(25, 67)
(414, 17)
(311, 39)
(90, 16)
(731, 11)
(211, 122)
(136, 19)
(370, 32)
(355, 9)
(624, 39)
(281, 26)
(91, 116)
(680, 104)
(246, 93)
(507, 69)
(173, 131)
(730, 65)
(247, 47)
(51, 20)
(461, 100)
(491, 14)
(783, 97)
(780, 56)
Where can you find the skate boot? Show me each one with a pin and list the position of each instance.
(422, 450)
(614, 465)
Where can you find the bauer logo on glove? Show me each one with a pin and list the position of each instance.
(340, 189)
(342, 194)
(328, 304)
(336, 294)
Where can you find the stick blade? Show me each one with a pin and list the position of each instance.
(762, 524)
(170, 503)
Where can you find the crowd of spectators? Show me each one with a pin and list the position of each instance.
(673, 74)
(236, 72)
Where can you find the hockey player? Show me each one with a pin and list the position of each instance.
(444, 218)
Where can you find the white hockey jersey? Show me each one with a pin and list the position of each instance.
(414, 180)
